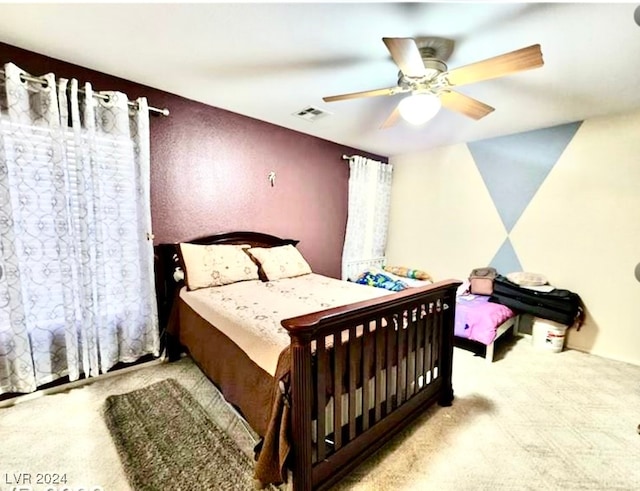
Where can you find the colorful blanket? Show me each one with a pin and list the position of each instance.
(381, 280)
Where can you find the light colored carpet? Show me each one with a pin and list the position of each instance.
(531, 420)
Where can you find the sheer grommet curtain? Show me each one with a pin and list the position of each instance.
(367, 215)
(77, 293)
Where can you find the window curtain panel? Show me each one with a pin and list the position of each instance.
(77, 291)
(368, 214)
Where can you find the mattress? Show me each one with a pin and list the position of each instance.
(250, 312)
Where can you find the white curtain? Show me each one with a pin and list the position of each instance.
(368, 214)
(76, 263)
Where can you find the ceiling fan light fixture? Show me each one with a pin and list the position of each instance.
(419, 108)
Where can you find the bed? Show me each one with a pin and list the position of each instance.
(320, 407)
(479, 323)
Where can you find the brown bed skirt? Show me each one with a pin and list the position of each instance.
(244, 384)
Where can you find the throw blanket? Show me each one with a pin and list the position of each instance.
(477, 318)
(273, 450)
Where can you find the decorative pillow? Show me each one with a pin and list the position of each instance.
(416, 274)
(280, 261)
(216, 265)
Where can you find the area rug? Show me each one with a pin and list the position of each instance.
(166, 441)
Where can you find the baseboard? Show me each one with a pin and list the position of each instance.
(79, 383)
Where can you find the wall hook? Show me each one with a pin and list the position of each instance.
(272, 178)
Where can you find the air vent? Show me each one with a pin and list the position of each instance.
(311, 113)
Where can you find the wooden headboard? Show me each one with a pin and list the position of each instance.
(166, 260)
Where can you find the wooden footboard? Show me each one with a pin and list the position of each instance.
(362, 372)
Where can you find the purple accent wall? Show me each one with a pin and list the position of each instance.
(209, 170)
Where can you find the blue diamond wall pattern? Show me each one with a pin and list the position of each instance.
(506, 260)
(513, 167)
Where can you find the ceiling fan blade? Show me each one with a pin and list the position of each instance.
(392, 119)
(365, 93)
(498, 66)
(464, 104)
(406, 55)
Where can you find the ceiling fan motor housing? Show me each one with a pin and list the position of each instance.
(434, 51)
(435, 47)
(433, 68)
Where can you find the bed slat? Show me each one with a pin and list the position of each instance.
(353, 373)
(428, 356)
(338, 353)
(321, 399)
(367, 349)
(411, 357)
(420, 347)
(436, 341)
(391, 335)
(401, 378)
(379, 387)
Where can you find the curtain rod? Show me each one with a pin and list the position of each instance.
(351, 157)
(43, 82)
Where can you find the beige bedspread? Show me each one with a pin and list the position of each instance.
(249, 312)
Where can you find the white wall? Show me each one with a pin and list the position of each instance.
(581, 228)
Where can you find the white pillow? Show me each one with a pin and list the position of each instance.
(280, 261)
(524, 278)
(216, 265)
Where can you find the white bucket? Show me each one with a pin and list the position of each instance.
(548, 335)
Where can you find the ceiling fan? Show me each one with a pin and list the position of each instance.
(424, 73)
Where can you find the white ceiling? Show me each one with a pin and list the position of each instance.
(268, 61)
